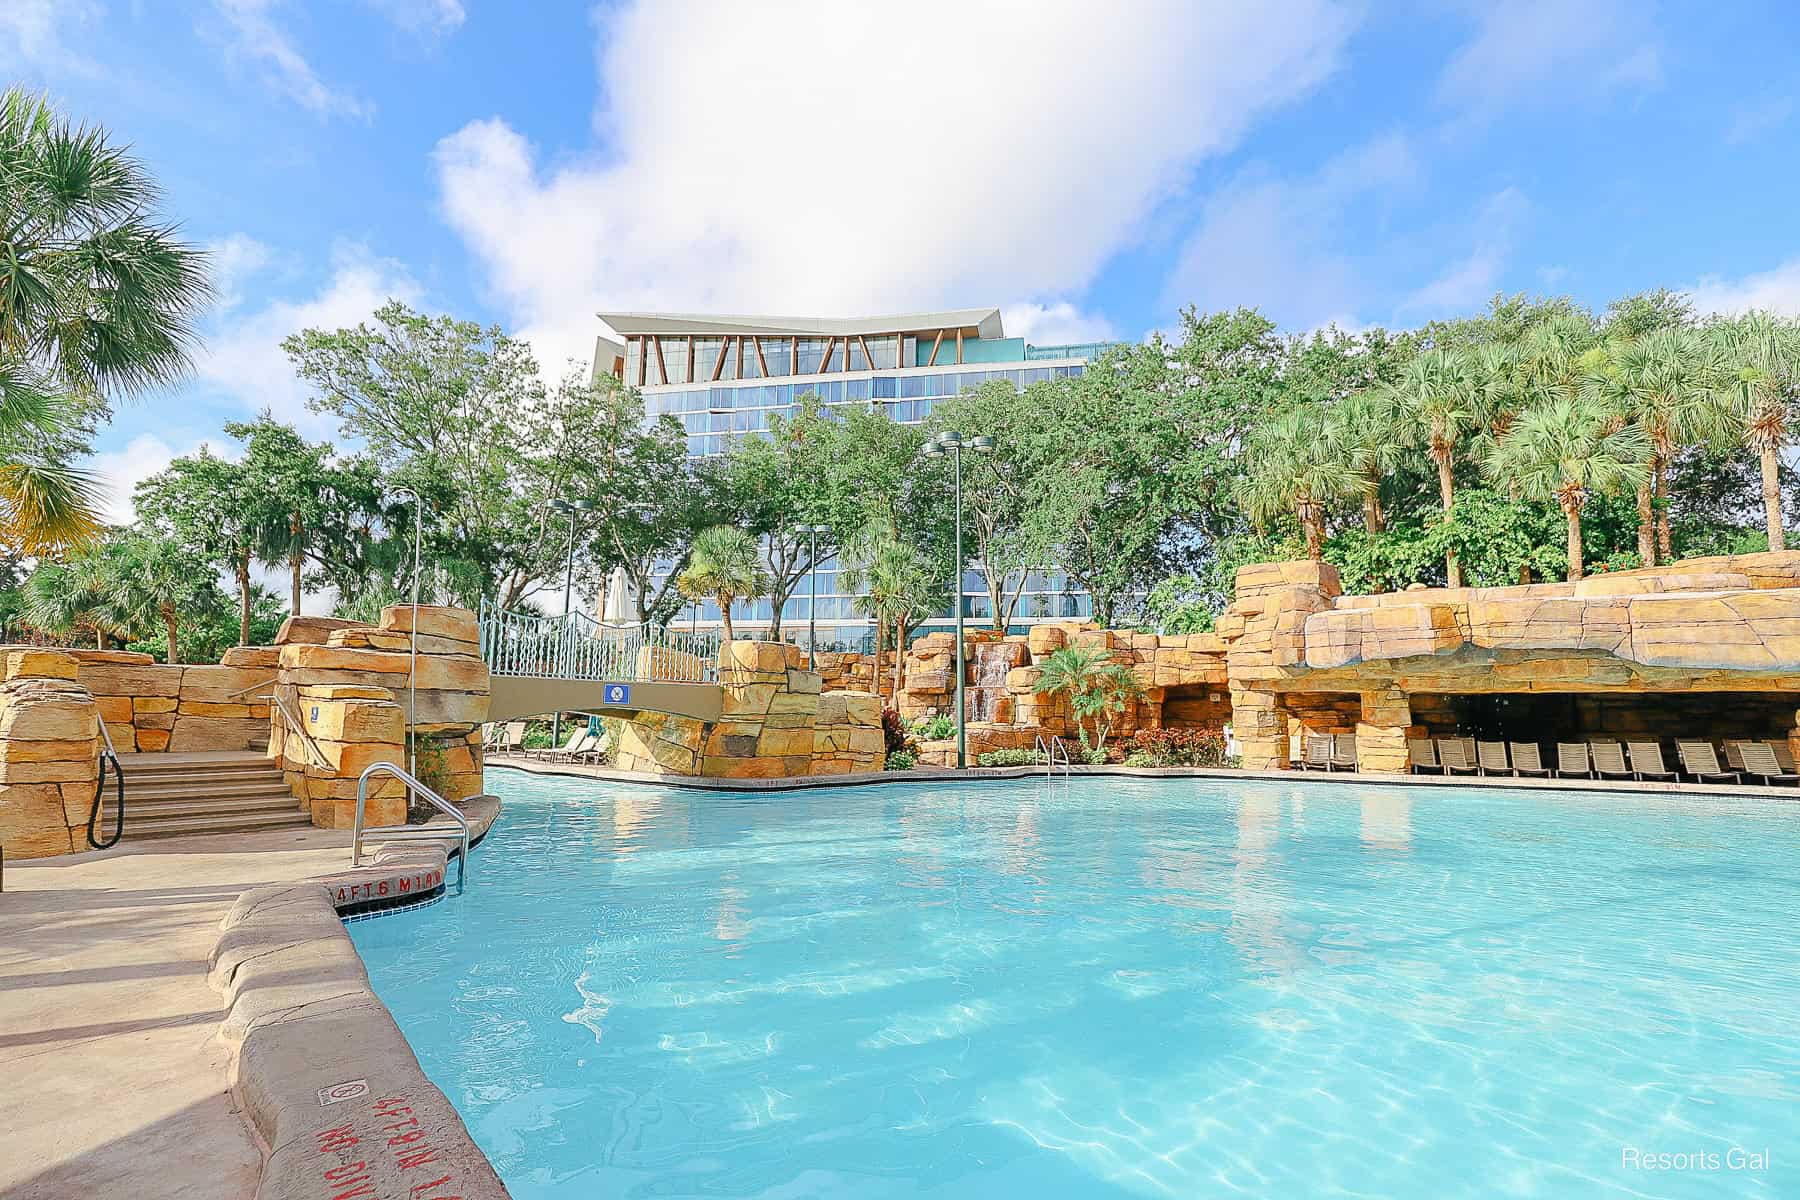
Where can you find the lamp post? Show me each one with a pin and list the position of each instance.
(951, 443)
(812, 603)
(571, 508)
(412, 673)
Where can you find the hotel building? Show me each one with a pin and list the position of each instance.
(723, 377)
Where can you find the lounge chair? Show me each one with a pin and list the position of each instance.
(1470, 751)
(1734, 754)
(1702, 762)
(1760, 761)
(1343, 752)
(1647, 760)
(1318, 752)
(1491, 757)
(1528, 759)
(1423, 752)
(569, 747)
(1609, 761)
(1783, 754)
(1454, 757)
(1572, 759)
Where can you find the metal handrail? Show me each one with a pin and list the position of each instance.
(299, 730)
(419, 789)
(1048, 748)
(265, 683)
(576, 647)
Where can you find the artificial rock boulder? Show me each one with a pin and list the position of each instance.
(49, 754)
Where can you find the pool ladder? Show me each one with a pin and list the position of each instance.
(410, 833)
(1049, 748)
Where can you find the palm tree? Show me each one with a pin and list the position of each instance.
(1443, 393)
(1368, 434)
(71, 597)
(1294, 467)
(1761, 352)
(1564, 450)
(1098, 691)
(1663, 382)
(894, 583)
(97, 298)
(725, 566)
(153, 581)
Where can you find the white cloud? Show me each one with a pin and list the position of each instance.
(254, 35)
(744, 170)
(1470, 281)
(1756, 119)
(1057, 324)
(234, 259)
(32, 35)
(120, 471)
(425, 18)
(1272, 242)
(1776, 290)
(244, 359)
(1534, 51)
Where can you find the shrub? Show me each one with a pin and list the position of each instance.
(934, 729)
(893, 730)
(901, 760)
(1009, 758)
(1174, 748)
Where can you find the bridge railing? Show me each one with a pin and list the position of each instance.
(577, 647)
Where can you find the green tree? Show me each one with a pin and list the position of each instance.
(996, 487)
(1443, 394)
(1368, 434)
(456, 412)
(211, 506)
(1664, 381)
(1098, 691)
(725, 566)
(1296, 468)
(70, 598)
(97, 300)
(293, 481)
(1756, 403)
(155, 581)
(1566, 449)
(898, 585)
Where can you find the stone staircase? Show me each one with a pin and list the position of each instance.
(172, 795)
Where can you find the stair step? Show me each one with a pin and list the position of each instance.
(200, 806)
(213, 823)
(134, 773)
(248, 789)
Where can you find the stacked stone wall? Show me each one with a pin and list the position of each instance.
(49, 754)
(150, 707)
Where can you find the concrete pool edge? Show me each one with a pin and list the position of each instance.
(327, 1083)
(979, 774)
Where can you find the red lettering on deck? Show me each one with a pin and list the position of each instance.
(434, 1184)
(417, 1158)
(333, 1140)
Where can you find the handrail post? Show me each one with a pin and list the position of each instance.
(414, 786)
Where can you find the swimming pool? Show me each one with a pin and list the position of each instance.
(1115, 987)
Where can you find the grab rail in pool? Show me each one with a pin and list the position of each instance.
(407, 833)
(1048, 748)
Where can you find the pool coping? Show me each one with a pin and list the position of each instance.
(322, 1074)
(981, 774)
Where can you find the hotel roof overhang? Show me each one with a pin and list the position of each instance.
(976, 322)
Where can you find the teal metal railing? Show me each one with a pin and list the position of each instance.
(578, 647)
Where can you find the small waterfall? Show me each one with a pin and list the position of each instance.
(988, 697)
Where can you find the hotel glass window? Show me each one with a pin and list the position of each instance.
(674, 360)
(749, 366)
(779, 352)
(634, 360)
(706, 357)
(812, 356)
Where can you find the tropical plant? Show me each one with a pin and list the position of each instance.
(1444, 397)
(893, 582)
(71, 598)
(1295, 468)
(1567, 449)
(934, 728)
(1008, 758)
(1757, 403)
(154, 581)
(1368, 434)
(725, 567)
(900, 760)
(97, 300)
(1098, 691)
(1174, 748)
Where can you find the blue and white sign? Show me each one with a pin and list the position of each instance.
(618, 693)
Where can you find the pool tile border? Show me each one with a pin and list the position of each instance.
(320, 1069)
(978, 774)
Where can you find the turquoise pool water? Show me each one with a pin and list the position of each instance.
(1115, 988)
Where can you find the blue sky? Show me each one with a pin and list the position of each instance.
(531, 164)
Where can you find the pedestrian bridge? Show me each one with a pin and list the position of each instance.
(538, 665)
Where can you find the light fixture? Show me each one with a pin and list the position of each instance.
(983, 444)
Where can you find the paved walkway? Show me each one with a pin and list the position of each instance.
(115, 1079)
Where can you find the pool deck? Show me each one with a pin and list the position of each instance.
(108, 1024)
(1364, 779)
